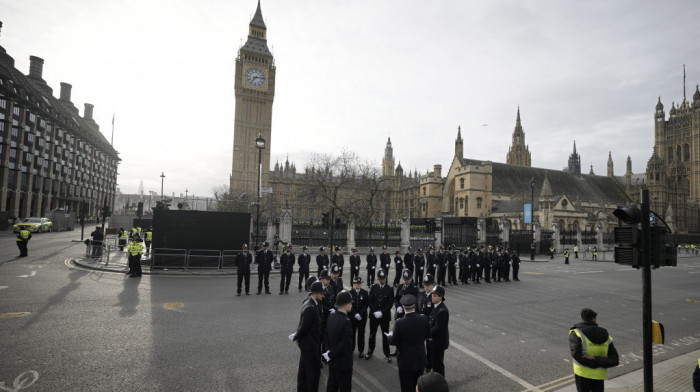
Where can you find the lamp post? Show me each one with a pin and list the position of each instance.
(185, 194)
(532, 218)
(162, 178)
(260, 145)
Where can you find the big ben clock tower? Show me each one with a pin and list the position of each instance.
(255, 92)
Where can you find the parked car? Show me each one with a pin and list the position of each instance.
(34, 225)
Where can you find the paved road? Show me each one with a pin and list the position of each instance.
(89, 330)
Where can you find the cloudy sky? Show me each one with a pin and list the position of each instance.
(352, 73)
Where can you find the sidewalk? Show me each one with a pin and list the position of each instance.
(673, 375)
(118, 262)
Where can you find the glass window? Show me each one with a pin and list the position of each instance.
(461, 183)
(478, 202)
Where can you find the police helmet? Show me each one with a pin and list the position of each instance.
(316, 288)
(324, 275)
(407, 274)
(335, 269)
(428, 279)
(321, 249)
(265, 244)
(357, 280)
(245, 246)
(381, 274)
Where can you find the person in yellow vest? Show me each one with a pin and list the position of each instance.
(576, 252)
(595, 253)
(696, 377)
(135, 249)
(148, 238)
(123, 235)
(593, 351)
(566, 256)
(23, 237)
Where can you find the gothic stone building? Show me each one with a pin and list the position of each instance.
(50, 156)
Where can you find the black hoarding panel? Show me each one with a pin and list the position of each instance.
(200, 229)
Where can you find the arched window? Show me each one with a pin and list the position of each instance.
(423, 191)
(670, 154)
(461, 183)
(461, 203)
(686, 153)
(678, 154)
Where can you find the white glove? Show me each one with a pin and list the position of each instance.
(291, 337)
(510, 262)
(326, 356)
(478, 265)
(358, 317)
(332, 310)
(373, 267)
(421, 268)
(389, 335)
(325, 267)
(434, 265)
(377, 314)
(399, 310)
(357, 267)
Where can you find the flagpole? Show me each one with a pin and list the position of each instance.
(112, 141)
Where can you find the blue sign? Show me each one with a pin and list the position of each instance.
(652, 219)
(528, 213)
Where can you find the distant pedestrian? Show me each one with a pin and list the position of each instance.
(576, 252)
(135, 249)
(593, 352)
(551, 253)
(123, 236)
(308, 338)
(148, 239)
(286, 268)
(23, 237)
(360, 304)
(96, 242)
(243, 261)
(439, 331)
(432, 382)
(304, 261)
(338, 339)
(566, 256)
(264, 261)
(595, 253)
(409, 336)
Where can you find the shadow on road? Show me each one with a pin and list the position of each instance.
(57, 298)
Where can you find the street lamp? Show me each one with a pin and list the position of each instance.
(185, 194)
(260, 145)
(162, 178)
(532, 218)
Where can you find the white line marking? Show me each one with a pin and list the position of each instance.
(494, 366)
(588, 272)
(32, 273)
(3, 287)
(375, 383)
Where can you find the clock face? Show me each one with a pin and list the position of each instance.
(255, 77)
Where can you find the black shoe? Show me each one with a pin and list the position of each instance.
(247, 293)
(267, 292)
(258, 293)
(368, 356)
(132, 276)
(387, 359)
(361, 355)
(300, 289)
(238, 295)
(281, 292)
(286, 291)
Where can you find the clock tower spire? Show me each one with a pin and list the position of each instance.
(255, 92)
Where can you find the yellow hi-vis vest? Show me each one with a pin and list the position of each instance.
(149, 236)
(23, 235)
(135, 248)
(124, 235)
(594, 350)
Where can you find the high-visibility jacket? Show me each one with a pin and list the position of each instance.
(136, 230)
(135, 248)
(595, 251)
(594, 350)
(566, 253)
(149, 235)
(124, 235)
(23, 235)
(575, 249)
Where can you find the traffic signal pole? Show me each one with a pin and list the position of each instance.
(646, 294)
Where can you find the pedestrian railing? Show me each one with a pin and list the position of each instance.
(228, 258)
(168, 258)
(95, 249)
(203, 258)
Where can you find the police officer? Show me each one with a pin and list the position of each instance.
(439, 331)
(595, 253)
(385, 260)
(425, 304)
(507, 262)
(371, 266)
(304, 260)
(338, 260)
(398, 262)
(431, 261)
(576, 251)
(486, 263)
(381, 300)
(327, 305)
(464, 270)
(308, 338)
(419, 262)
(360, 304)
(338, 338)
(148, 238)
(516, 266)
(566, 256)
(264, 261)
(593, 352)
(123, 235)
(451, 260)
(23, 237)
(408, 259)
(441, 265)
(551, 253)
(135, 249)
(243, 261)
(409, 336)
(336, 280)
(406, 288)
(322, 261)
(477, 264)
(286, 268)
(354, 265)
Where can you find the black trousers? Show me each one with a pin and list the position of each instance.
(506, 272)
(354, 272)
(409, 379)
(451, 274)
(429, 356)
(244, 277)
(22, 245)
(383, 323)
(419, 276)
(431, 270)
(575, 255)
(135, 265)
(397, 277)
(516, 268)
(122, 243)
(438, 358)
(441, 275)
(303, 277)
(264, 277)
(476, 274)
(286, 279)
(494, 272)
(309, 372)
(370, 277)
(339, 380)
(566, 260)
(487, 273)
(148, 246)
(588, 385)
(358, 333)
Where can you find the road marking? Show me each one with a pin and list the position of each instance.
(32, 273)
(532, 273)
(23, 381)
(588, 272)
(3, 287)
(14, 314)
(693, 301)
(173, 306)
(375, 383)
(493, 366)
(548, 386)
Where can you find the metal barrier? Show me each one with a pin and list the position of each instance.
(169, 258)
(203, 258)
(95, 251)
(228, 258)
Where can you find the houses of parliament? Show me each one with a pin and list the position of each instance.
(471, 187)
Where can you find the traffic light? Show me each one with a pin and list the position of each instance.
(628, 252)
(139, 209)
(106, 211)
(629, 215)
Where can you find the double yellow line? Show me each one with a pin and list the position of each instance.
(549, 386)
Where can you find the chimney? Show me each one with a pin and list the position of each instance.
(36, 67)
(65, 92)
(87, 114)
(438, 171)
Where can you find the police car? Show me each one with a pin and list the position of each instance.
(34, 225)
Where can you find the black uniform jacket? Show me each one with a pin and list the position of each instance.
(264, 260)
(410, 333)
(304, 260)
(308, 335)
(322, 261)
(441, 259)
(405, 289)
(339, 340)
(381, 299)
(243, 261)
(424, 305)
(371, 262)
(597, 335)
(287, 262)
(431, 259)
(385, 261)
(355, 262)
(339, 260)
(360, 303)
(419, 262)
(408, 262)
(439, 332)
(451, 259)
(337, 284)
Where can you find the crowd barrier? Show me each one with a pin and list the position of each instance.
(162, 258)
(168, 258)
(203, 258)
